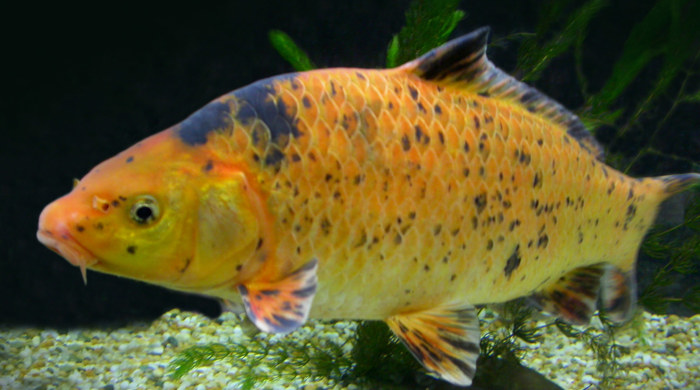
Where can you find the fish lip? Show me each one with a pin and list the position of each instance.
(63, 243)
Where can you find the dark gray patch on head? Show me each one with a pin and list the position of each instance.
(513, 262)
(195, 129)
(259, 101)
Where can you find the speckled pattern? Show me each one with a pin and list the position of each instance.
(380, 174)
(661, 356)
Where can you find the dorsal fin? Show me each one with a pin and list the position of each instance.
(462, 61)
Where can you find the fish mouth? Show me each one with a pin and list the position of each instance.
(60, 241)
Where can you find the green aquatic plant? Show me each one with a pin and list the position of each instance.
(428, 25)
(605, 349)
(289, 358)
(680, 244)
(537, 50)
(515, 317)
(290, 51)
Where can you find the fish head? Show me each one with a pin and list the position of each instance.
(158, 212)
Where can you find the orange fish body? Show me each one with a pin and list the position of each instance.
(407, 195)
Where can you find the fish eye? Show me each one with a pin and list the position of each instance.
(144, 210)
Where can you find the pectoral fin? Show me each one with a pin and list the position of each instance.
(283, 305)
(444, 339)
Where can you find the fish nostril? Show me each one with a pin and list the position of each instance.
(100, 204)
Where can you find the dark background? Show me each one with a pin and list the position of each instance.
(83, 82)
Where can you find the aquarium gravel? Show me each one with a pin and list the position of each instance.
(659, 353)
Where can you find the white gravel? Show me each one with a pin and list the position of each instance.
(661, 353)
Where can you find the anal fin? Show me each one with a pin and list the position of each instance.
(283, 305)
(574, 295)
(445, 340)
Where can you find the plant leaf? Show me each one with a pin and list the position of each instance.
(289, 50)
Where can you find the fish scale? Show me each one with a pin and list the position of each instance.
(407, 195)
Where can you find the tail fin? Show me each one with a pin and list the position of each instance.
(679, 183)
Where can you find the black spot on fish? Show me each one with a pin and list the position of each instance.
(513, 262)
(306, 102)
(274, 158)
(80, 228)
(413, 92)
(195, 129)
(489, 244)
(131, 249)
(466, 172)
(542, 241)
(480, 202)
(129, 159)
(524, 158)
(360, 76)
(466, 147)
(208, 167)
(419, 133)
(537, 181)
(477, 125)
(405, 143)
(484, 94)
(437, 109)
(514, 224)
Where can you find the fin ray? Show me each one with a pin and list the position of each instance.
(574, 295)
(445, 340)
(281, 306)
(618, 293)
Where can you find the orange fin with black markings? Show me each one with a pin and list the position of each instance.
(618, 294)
(445, 340)
(573, 296)
(283, 305)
